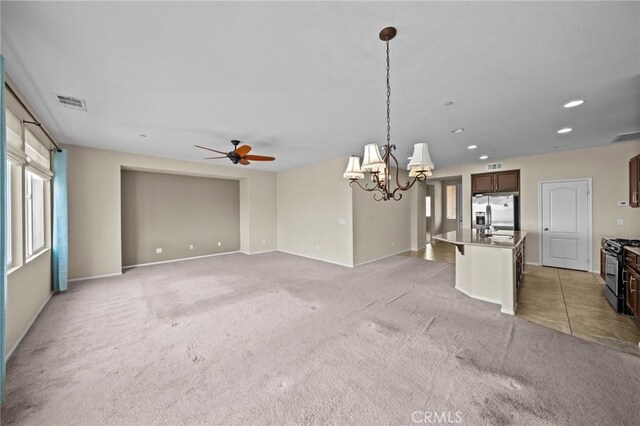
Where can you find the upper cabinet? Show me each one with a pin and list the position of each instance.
(485, 183)
(634, 181)
(482, 183)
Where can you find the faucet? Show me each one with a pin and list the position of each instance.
(486, 230)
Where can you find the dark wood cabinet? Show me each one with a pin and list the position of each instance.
(487, 183)
(482, 183)
(632, 291)
(519, 259)
(632, 272)
(634, 181)
(508, 181)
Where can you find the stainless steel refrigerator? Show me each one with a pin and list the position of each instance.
(499, 211)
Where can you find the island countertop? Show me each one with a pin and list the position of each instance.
(471, 237)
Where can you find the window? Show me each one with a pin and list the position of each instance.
(34, 205)
(9, 242)
(428, 206)
(451, 202)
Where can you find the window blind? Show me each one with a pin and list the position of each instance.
(36, 150)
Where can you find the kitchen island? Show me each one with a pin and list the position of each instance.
(488, 268)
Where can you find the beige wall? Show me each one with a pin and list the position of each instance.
(606, 165)
(381, 228)
(322, 217)
(94, 205)
(174, 212)
(315, 212)
(28, 288)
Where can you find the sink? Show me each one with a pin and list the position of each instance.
(499, 236)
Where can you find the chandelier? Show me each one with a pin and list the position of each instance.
(379, 166)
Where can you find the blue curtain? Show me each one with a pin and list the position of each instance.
(3, 234)
(60, 244)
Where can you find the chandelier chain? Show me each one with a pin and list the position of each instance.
(388, 97)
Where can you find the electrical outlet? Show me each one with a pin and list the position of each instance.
(342, 221)
(264, 242)
(219, 243)
(190, 246)
(159, 250)
(317, 247)
(393, 244)
(620, 222)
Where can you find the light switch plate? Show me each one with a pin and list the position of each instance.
(158, 250)
(620, 222)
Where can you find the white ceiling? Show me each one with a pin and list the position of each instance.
(305, 81)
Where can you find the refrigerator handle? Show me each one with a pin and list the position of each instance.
(489, 221)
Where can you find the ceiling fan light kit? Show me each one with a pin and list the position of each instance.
(379, 165)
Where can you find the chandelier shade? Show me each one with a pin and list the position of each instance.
(372, 160)
(353, 169)
(420, 160)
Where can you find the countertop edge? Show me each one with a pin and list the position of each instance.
(634, 250)
(522, 236)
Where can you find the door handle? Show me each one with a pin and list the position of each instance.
(546, 229)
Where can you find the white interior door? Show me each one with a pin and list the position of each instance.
(566, 219)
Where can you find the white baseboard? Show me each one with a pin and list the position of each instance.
(258, 252)
(382, 257)
(181, 259)
(94, 277)
(484, 299)
(595, 271)
(26, 330)
(315, 258)
(507, 311)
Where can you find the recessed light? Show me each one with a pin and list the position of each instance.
(565, 130)
(472, 146)
(449, 103)
(483, 157)
(559, 146)
(575, 103)
(460, 130)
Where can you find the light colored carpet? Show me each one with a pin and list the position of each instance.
(277, 339)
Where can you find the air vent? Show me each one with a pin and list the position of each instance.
(71, 102)
(494, 166)
(627, 137)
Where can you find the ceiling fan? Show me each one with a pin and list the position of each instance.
(240, 154)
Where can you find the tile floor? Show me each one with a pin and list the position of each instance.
(569, 301)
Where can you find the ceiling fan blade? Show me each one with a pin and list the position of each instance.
(244, 162)
(216, 158)
(209, 149)
(243, 150)
(259, 158)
